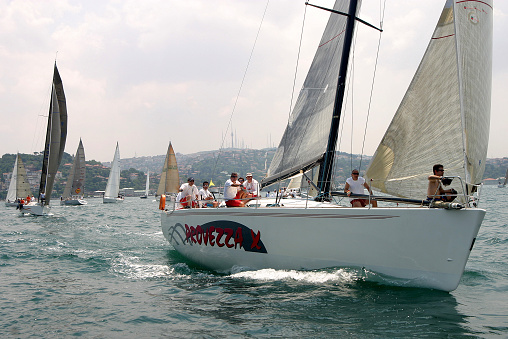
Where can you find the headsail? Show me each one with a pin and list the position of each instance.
(170, 179)
(19, 186)
(147, 185)
(76, 180)
(56, 135)
(447, 103)
(113, 186)
(304, 142)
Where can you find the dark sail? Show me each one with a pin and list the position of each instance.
(304, 142)
(56, 135)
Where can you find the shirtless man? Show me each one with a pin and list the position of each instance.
(435, 191)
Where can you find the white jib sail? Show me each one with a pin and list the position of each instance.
(113, 186)
(444, 116)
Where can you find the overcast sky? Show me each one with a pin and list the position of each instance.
(144, 73)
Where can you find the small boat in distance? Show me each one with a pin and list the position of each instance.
(147, 186)
(19, 187)
(111, 195)
(56, 134)
(503, 185)
(170, 179)
(74, 188)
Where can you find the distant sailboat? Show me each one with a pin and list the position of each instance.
(73, 192)
(170, 179)
(503, 185)
(56, 134)
(111, 195)
(147, 186)
(19, 186)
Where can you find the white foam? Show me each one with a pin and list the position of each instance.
(303, 276)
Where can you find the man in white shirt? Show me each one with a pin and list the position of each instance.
(206, 197)
(233, 192)
(356, 184)
(251, 185)
(189, 194)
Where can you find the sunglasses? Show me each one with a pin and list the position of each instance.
(355, 173)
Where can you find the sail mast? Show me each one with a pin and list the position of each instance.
(325, 171)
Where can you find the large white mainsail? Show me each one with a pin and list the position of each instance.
(74, 188)
(170, 179)
(113, 187)
(444, 117)
(19, 187)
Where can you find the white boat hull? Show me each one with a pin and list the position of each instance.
(111, 200)
(73, 202)
(36, 208)
(425, 247)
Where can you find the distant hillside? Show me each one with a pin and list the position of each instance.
(213, 165)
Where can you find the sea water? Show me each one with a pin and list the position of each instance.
(106, 271)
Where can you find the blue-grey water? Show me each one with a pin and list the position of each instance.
(106, 271)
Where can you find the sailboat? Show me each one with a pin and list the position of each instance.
(147, 186)
(56, 134)
(170, 179)
(19, 187)
(503, 185)
(73, 191)
(111, 195)
(411, 241)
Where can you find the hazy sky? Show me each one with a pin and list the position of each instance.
(144, 73)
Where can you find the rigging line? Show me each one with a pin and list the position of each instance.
(382, 14)
(350, 77)
(297, 62)
(240, 89)
(284, 137)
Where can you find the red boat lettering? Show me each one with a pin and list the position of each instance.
(220, 232)
(229, 233)
(255, 239)
(211, 237)
(237, 236)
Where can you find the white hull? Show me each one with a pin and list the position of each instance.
(111, 200)
(73, 202)
(35, 208)
(11, 204)
(425, 247)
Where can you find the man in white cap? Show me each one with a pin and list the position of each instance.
(251, 185)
